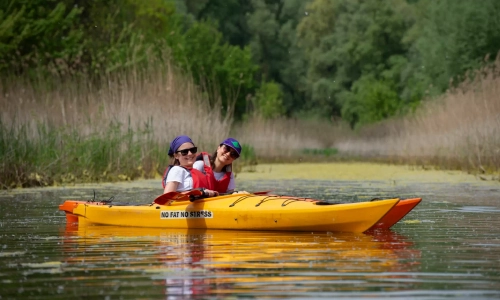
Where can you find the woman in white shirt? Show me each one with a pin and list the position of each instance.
(180, 175)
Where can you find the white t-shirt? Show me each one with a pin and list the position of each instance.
(182, 176)
(199, 165)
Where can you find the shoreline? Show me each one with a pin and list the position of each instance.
(339, 171)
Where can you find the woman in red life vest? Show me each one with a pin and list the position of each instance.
(221, 163)
(180, 175)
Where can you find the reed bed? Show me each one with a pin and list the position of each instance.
(459, 130)
(282, 138)
(60, 130)
(55, 130)
(172, 103)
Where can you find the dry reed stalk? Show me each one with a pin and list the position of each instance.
(282, 137)
(172, 101)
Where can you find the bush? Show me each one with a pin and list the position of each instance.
(269, 100)
(370, 101)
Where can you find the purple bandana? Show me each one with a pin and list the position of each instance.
(177, 142)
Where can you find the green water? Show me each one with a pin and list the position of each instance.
(447, 247)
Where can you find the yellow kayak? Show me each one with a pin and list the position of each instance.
(237, 212)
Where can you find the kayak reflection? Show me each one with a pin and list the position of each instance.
(196, 261)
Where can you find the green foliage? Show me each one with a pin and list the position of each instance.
(202, 51)
(230, 16)
(449, 39)
(248, 155)
(36, 32)
(370, 101)
(346, 41)
(274, 47)
(360, 60)
(269, 100)
(99, 37)
(123, 34)
(248, 159)
(63, 155)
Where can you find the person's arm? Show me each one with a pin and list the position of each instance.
(171, 187)
(174, 178)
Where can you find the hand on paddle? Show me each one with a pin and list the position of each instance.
(209, 193)
(183, 196)
(241, 192)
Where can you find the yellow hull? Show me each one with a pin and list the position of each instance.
(240, 212)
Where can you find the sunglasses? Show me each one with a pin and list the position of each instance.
(185, 152)
(232, 153)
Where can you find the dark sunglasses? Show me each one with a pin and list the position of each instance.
(184, 152)
(232, 153)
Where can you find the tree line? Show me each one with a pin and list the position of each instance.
(361, 61)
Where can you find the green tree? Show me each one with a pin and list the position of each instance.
(371, 100)
(103, 36)
(230, 16)
(268, 28)
(348, 40)
(272, 25)
(450, 38)
(39, 32)
(269, 100)
(122, 34)
(229, 69)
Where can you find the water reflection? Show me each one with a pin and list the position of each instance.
(207, 262)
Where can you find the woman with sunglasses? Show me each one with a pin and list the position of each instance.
(221, 163)
(180, 175)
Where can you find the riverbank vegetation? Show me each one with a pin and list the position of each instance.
(95, 90)
(83, 131)
(459, 130)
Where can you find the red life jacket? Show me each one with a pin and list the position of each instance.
(200, 179)
(218, 185)
(222, 184)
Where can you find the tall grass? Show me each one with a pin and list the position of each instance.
(284, 138)
(55, 129)
(459, 130)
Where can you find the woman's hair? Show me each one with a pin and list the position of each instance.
(174, 161)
